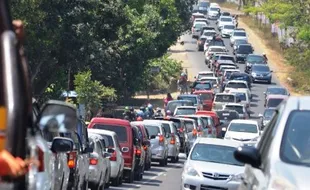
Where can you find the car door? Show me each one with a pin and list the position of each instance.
(119, 152)
(83, 138)
(177, 138)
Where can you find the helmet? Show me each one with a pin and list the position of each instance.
(139, 118)
(150, 106)
(168, 112)
(264, 53)
(182, 74)
(139, 113)
(126, 108)
(131, 108)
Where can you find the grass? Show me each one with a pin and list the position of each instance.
(228, 5)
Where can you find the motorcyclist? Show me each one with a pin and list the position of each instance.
(132, 113)
(140, 114)
(158, 112)
(265, 57)
(144, 114)
(168, 113)
(127, 114)
(150, 111)
(182, 82)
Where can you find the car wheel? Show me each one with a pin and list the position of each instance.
(138, 174)
(177, 159)
(162, 162)
(85, 185)
(107, 180)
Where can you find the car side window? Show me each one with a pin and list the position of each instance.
(210, 120)
(102, 145)
(164, 131)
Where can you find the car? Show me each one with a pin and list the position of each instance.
(225, 117)
(126, 139)
(99, 163)
(237, 84)
(116, 156)
(214, 80)
(214, 42)
(227, 30)
(261, 73)
(242, 52)
(211, 165)
(145, 142)
(208, 34)
(173, 104)
(224, 20)
(274, 100)
(244, 131)
(266, 117)
(210, 125)
(218, 63)
(240, 108)
(214, 50)
(224, 67)
(204, 74)
(238, 35)
(197, 28)
(228, 73)
(274, 89)
(239, 42)
(140, 153)
(223, 98)
(213, 12)
(185, 110)
(196, 99)
(207, 29)
(200, 42)
(197, 15)
(225, 13)
(242, 77)
(203, 3)
(201, 20)
(173, 140)
(201, 85)
(207, 97)
(205, 126)
(253, 59)
(227, 57)
(280, 159)
(244, 97)
(159, 141)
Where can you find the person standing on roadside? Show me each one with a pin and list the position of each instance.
(167, 99)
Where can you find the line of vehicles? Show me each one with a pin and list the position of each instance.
(269, 153)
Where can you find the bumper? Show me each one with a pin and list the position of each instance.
(201, 183)
(114, 169)
(263, 78)
(158, 153)
(94, 174)
(172, 151)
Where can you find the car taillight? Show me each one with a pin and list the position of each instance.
(138, 152)
(41, 159)
(172, 141)
(145, 147)
(93, 161)
(195, 132)
(161, 138)
(113, 156)
(71, 159)
(181, 130)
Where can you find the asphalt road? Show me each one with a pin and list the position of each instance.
(169, 178)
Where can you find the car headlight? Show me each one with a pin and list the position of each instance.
(254, 74)
(269, 74)
(237, 177)
(248, 64)
(255, 139)
(191, 171)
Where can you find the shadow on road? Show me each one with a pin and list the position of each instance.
(152, 182)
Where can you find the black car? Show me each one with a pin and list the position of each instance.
(139, 152)
(201, 85)
(266, 117)
(216, 42)
(261, 72)
(200, 43)
(276, 90)
(242, 52)
(243, 77)
(225, 14)
(253, 59)
(226, 116)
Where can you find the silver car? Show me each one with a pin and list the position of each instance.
(159, 141)
(99, 163)
(191, 130)
(223, 98)
(173, 140)
(211, 165)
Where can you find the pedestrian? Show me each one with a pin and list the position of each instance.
(167, 99)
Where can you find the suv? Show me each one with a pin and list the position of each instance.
(126, 137)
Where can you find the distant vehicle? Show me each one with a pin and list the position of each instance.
(276, 90)
(172, 105)
(261, 73)
(266, 117)
(242, 52)
(224, 20)
(207, 97)
(223, 98)
(204, 74)
(214, 50)
(242, 77)
(274, 100)
(225, 117)
(213, 12)
(239, 42)
(236, 35)
(240, 108)
(201, 42)
(185, 110)
(227, 30)
(208, 34)
(197, 28)
(253, 59)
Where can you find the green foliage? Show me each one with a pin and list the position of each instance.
(91, 92)
(115, 39)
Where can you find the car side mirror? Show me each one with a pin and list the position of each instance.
(153, 137)
(224, 129)
(147, 143)
(271, 71)
(248, 155)
(88, 150)
(57, 116)
(61, 144)
(260, 115)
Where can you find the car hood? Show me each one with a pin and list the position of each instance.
(225, 22)
(260, 73)
(241, 135)
(227, 30)
(211, 167)
(239, 37)
(291, 175)
(213, 12)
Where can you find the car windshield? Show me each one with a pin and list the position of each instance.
(200, 25)
(206, 96)
(215, 154)
(185, 111)
(238, 109)
(260, 68)
(296, 139)
(227, 58)
(204, 4)
(229, 27)
(226, 115)
(245, 49)
(241, 34)
(119, 130)
(209, 33)
(224, 98)
(226, 19)
(172, 105)
(243, 128)
(225, 14)
(214, 9)
(239, 77)
(236, 85)
(205, 75)
(190, 98)
(281, 91)
(203, 86)
(239, 42)
(217, 50)
(255, 58)
(216, 43)
(274, 102)
(203, 39)
(152, 129)
(268, 113)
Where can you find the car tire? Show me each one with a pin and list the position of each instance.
(85, 185)
(177, 160)
(138, 174)
(131, 176)
(162, 162)
(116, 181)
(269, 82)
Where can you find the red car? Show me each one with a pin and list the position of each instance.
(207, 97)
(127, 141)
(216, 120)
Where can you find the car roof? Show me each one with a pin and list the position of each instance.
(241, 90)
(203, 92)
(165, 121)
(198, 14)
(102, 131)
(179, 101)
(243, 74)
(110, 121)
(271, 96)
(209, 30)
(189, 107)
(245, 45)
(254, 54)
(216, 141)
(232, 70)
(208, 78)
(205, 72)
(276, 86)
(237, 81)
(188, 95)
(222, 47)
(246, 121)
(224, 94)
(260, 65)
(234, 104)
(152, 121)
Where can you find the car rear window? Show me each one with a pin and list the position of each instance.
(110, 140)
(217, 50)
(192, 99)
(238, 109)
(206, 96)
(225, 115)
(236, 85)
(173, 105)
(274, 102)
(224, 98)
(152, 130)
(202, 86)
(119, 130)
(167, 128)
(226, 58)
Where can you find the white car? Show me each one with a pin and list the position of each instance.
(227, 30)
(237, 84)
(224, 20)
(214, 80)
(240, 108)
(211, 165)
(243, 95)
(185, 110)
(214, 49)
(213, 12)
(238, 35)
(204, 74)
(209, 34)
(201, 20)
(196, 29)
(245, 131)
(116, 159)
